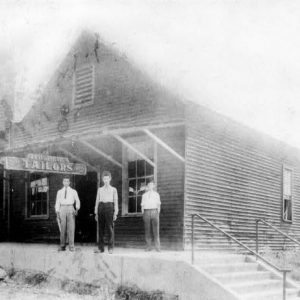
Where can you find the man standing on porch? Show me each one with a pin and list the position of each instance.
(64, 207)
(151, 209)
(106, 211)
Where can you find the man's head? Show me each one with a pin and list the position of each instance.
(66, 181)
(151, 185)
(106, 177)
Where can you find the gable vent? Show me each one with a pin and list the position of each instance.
(84, 86)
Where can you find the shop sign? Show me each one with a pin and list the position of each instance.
(43, 163)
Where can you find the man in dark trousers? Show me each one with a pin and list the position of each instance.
(106, 211)
(151, 209)
(66, 199)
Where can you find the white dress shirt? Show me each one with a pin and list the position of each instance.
(151, 200)
(107, 194)
(70, 199)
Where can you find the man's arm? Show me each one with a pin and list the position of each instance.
(142, 203)
(116, 203)
(77, 201)
(97, 202)
(158, 203)
(57, 203)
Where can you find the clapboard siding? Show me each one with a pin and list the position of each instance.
(233, 177)
(124, 97)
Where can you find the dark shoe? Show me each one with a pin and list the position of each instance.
(99, 251)
(61, 249)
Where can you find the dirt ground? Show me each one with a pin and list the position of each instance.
(24, 285)
(17, 291)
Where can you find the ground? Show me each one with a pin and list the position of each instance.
(24, 285)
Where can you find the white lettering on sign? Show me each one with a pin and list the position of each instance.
(44, 163)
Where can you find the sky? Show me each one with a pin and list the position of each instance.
(239, 58)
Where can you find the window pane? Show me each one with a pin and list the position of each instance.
(287, 210)
(139, 200)
(287, 182)
(132, 188)
(131, 205)
(39, 208)
(141, 186)
(44, 207)
(131, 169)
(141, 168)
(149, 169)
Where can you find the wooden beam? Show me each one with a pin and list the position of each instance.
(68, 153)
(124, 142)
(163, 144)
(97, 150)
(121, 131)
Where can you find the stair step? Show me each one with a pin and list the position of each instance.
(227, 267)
(274, 294)
(219, 258)
(243, 276)
(249, 286)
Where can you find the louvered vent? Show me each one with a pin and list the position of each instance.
(84, 86)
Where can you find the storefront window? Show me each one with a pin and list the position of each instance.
(138, 172)
(287, 194)
(38, 195)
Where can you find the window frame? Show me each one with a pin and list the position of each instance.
(288, 168)
(78, 106)
(125, 179)
(27, 185)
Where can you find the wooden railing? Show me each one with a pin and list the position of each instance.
(258, 256)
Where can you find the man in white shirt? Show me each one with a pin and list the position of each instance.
(66, 198)
(151, 209)
(106, 211)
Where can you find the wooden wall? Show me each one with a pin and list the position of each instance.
(233, 177)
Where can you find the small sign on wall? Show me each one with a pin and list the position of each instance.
(44, 163)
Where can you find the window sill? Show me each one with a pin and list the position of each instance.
(134, 215)
(288, 221)
(44, 217)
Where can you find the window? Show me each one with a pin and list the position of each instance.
(38, 196)
(287, 194)
(84, 86)
(137, 173)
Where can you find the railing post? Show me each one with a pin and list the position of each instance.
(256, 237)
(193, 239)
(284, 284)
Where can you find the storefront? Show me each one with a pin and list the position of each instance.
(99, 112)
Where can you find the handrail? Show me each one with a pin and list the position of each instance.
(284, 271)
(276, 229)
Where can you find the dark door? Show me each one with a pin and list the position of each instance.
(86, 187)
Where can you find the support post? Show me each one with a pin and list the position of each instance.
(98, 185)
(284, 285)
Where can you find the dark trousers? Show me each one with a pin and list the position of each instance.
(67, 223)
(105, 220)
(151, 220)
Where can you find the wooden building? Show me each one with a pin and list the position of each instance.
(101, 110)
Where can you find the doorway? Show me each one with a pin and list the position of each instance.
(86, 228)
